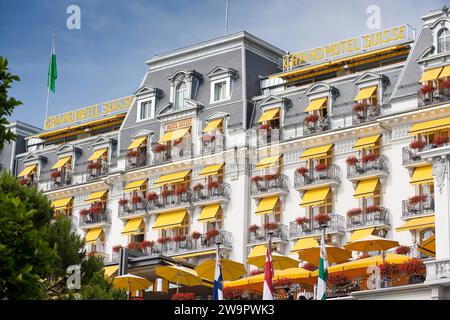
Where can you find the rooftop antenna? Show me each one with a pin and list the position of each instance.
(227, 2)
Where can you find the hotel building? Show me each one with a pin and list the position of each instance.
(233, 139)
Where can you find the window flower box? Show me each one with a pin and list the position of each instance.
(213, 185)
(354, 212)
(195, 235)
(198, 187)
(369, 157)
(264, 127)
(351, 161)
(253, 228)
(158, 148)
(301, 220)
(311, 119)
(426, 89)
(271, 226)
(116, 248)
(123, 202)
(320, 167)
(208, 138)
(132, 154)
(439, 140)
(23, 182)
(84, 212)
(179, 238)
(136, 200)
(152, 196)
(302, 170)
(359, 107)
(166, 193)
(93, 165)
(322, 219)
(180, 190)
(211, 234)
(55, 174)
(417, 145)
(417, 199)
(257, 179)
(373, 209)
(163, 240)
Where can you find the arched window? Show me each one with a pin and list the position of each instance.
(443, 40)
(179, 95)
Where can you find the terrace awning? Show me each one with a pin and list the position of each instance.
(174, 135)
(315, 197)
(268, 162)
(27, 170)
(267, 205)
(169, 220)
(97, 154)
(359, 234)
(316, 104)
(137, 143)
(430, 126)
(417, 223)
(209, 213)
(428, 246)
(367, 142)
(213, 125)
(61, 203)
(316, 153)
(133, 226)
(431, 74)
(211, 170)
(303, 244)
(92, 235)
(135, 185)
(172, 178)
(422, 175)
(270, 115)
(95, 196)
(366, 188)
(445, 73)
(366, 93)
(61, 163)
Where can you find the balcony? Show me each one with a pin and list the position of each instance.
(267, 136)
(132, 207)
(181, 151)
(363, 112)
(418, 206)
(60, 178)
(92, 219)
(269, 184)
(95, 170)
(305, 178)
(259, 234)
(167, 199)
(136, 159)
(212, 144)
(367, 166)
(313, 124)
(311, 228)
(369, 217)
(212, 192)
(29, 182)
(411, 154)
(429, 96)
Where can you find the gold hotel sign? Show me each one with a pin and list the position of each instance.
(353, 46)
(179, 124)
(89, 113)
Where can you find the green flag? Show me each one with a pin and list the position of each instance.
(52, 69)
(323, 271)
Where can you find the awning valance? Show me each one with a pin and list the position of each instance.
(211, 170)
(213, 125)
(133, 226)
(417, 223)
(315, 197)
(97, 154)
(431, 74)
(92, 235)
(61, 203)
(61, 163)
(209, 213)
(316, 153)
(137, 143)
(268, 162)
(195, 254)
(174, 135)
(430, 126)
(316, 104)
(366, 188)
(359, 234)
(428, 246)
(367, 142)
(303, 244)
(270, 115)
(169, 220)
(172, 178)
(135, 185)
(422, 175)
(267, 205)
(366, 93)
(95, 196)
(27, 170)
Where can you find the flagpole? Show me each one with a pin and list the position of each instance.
(48, 84)
(226, 16)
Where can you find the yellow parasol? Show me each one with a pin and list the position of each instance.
(371, 243)
(179, 275)
(231, 270)
(280, 262)
(334, 255)
(130, 283)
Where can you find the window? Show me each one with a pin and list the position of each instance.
(179, 95)
(443, 40)
(220, 91)
(146, 110)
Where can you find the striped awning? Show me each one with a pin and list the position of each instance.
(267, 205)
(367, 142)
(366, 93)
(171, 178)
(430, 126)
(169, 220)
(27, 170)
(418, 223)
(315, 197)
(211, 170)
(137, 143)
(97, 154)
(270, 115)
(431, 74)
(135, 185)
(95, 196)
(316, 153)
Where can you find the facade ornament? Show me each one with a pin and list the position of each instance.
(440, 172)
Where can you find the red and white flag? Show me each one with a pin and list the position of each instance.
(268, 275)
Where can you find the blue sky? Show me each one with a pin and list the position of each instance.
(106, 58)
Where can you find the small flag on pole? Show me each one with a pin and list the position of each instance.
(268, 275)
(217, 291)
(52, 69)
(323, 271)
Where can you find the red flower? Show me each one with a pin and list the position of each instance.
(312, 118)
(270, 226)
(84, 212)
(211, 234)
(308, 266)
(270, 177)
(413, 267)
(134, 245)
(195, 235)
(264, 127)
(152, 196)
(93, 165)
(232, 294)
(23, 181)
(256, 179)
(369, 157)
(253, 228)
(132, 154)
(446, 84)
(96, 208)
(163, 240)
(320, 167)
(55, 174)
(165, 193)
(322, 218)
(404, 250)
(426, 89)
(351, 161)
(208, 138)
(284, 282)
(177, 142)
(388, 269)
(301, 220)
(158, 148)
(302, 170)
(339, 280)
(136, 199)
(359, 107)
(146, 244)
(123, 202)
(198, 187)
(372, 209)
(256, 272)
(354, 212)
(180, 190)
(213, 185)
(417, 145)
(417, 199)
(183, 296)
(179, 238)
(116, 248)
(440, 140)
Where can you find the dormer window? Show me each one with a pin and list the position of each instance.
(146, 110)
(183, 86)
(443, 40)
(180, 95)
(147, 99)
(220, 91)
(222, 80)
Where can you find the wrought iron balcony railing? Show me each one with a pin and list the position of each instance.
(210, 191)
(96, 173)
(433, 97)
(412, 155)
(130, 208)
(369, 217)
(365, 113)
(269, 183)
(182, 151)
(138, 161)
(412, 208)
(212, 144)
(379, 165)
(313, 127)
(158, 200)
(261, 235)
(93, 218)
(312, 227)
(268, 136)
(64, 179)
(304, 177)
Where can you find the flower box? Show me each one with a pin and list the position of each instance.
(339, 280)
(166, 192)
(302, 170)
(270, 177)
(417, 199)
(404, 250)
(439, 140)
(147, 244)
(256, 179)
(359, 107)
(351, 161)
(134, 245)
(158, 148)
(413, 267)
(136, 200)
(232, 294)
(179, 238)
(373, 209)
(281, 283)
(446, 84)
(84, 212)
(322, 218)
(132, 154)
(198, 187)
(163, 240)
(369, 157)
(312, 118)
(208, 138)
(309, 266)
(301, 220)
(93, 165)
(183, 296)
(264, 127)
(23, 182)
(96, 208)
(427, 89)
(116, 249)
(320, 167)
(354, 212)
(211, 234)
(55, 174)
(417, 145)
(152, 196)
(195, 235)
(213, 185)
(123, 202)
(180, 190)
(271, 226)
(253, 228)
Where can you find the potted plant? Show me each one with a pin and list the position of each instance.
(93, 165)
(281, 283)
(373, 209)
(301, 220)
(339, 282)
(417, 145)
(415, 269)
(404, 250)
(179, 238)
(23, 181)
(309, 266)
(232, 294)
(426, 89)
(271, 226)
(417, 199)
(123, 202)
(211, 234)
(256, 179)
(369, 157)
(439, 140)
(84, 212)
(183, 296)
(253, 228)
(163, 240)
(195, 235)
(322, 219)
(320, 167)
(132, 153)
(264, 127)
(134, 246)
(352, 160)
(165, 193)
(311, 119)
(116, 248)
(158, 148)
(136, 199)
(302, 170)
(152, 196)
(208, 138)
(198, 187)
(354, 212)
(96, 208)
(213, 185)
(180, 190)
(55, 174)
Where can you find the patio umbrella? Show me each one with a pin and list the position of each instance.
(280, 262)
(130, 283)
(231, 270)
(334, 254)
(179, 275)
(371, 243)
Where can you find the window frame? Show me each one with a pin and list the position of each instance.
(227, 90)
(150, 111)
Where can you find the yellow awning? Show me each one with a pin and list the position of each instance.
(303, 244)
(269, 115)
(428, 246)
(135, 185)
(110, 270)
(61, 162)
(268, 162)
(169, 220)
(27, 170)
(316, 104)
(445, 73)
(418, 223)
(422, 175)
(213, 125)
(366, 93)
(137, 143)
(196, 254)
(133, 226)
(267, 205)
(430, 126)
(174, 135)
(359, 234)
(209, 213)
(211, 170)
(431, 74)
(97, 154)
(171, 178)
(367, 142)
(61, 203)
(95, 196)
(92, 235)
(366, 188)
(258, 251)
(316, 153)
(315, 197)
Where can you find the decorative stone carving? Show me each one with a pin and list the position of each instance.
(439, 172)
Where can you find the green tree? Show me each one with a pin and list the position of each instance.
(7, 105)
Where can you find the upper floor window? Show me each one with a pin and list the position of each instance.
(443, 40)
(180, 94)
(146, 110)
(220, 92)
